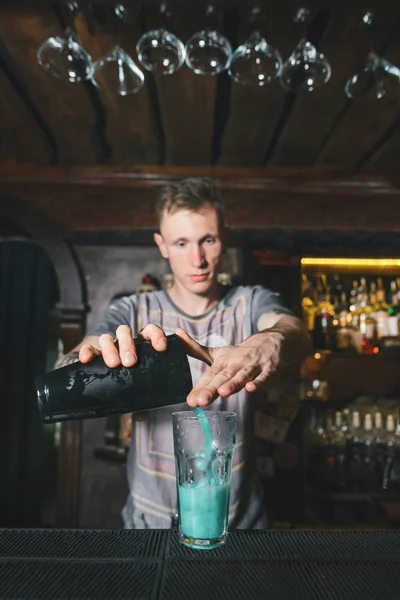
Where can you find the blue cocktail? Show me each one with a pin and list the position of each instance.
(203, 475)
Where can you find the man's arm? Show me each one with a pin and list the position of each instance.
(297, 342)
(283, 340)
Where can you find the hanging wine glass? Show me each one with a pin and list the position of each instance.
(208, 52)
(63, 56)
(378, 78)
(306, 69)
(160, 50)
(255, 62)
(116, 71)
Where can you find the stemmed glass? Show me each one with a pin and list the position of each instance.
(376, 78)
(160, 50)
(116, 71)
(63, 56)
(208, 52)
(306, 68)
(255, 62)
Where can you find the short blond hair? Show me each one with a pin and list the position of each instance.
(191, 193)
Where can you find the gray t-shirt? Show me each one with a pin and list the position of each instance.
(151, 464)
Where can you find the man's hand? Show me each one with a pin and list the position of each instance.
(122, 349)
(248, 365)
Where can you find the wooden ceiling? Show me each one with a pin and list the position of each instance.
(187, 119)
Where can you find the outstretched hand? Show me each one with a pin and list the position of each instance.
(248, 365)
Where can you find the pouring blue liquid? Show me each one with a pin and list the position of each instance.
(204, 460)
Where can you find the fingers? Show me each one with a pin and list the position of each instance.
(126, 346)
(193, 348)
(261, 380)
(109, 350)
(87, 353)
(225, 381)
(155, 335)
(122, 349)
(246, 375)
(206, 389)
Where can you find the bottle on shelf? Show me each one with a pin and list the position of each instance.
(393, 310)
(380, 449)
(355, 454)
(308, 305)
(343, 330)
(339, 449)
(380, 310)
(368, 449)
(323, 334)
(391, 476)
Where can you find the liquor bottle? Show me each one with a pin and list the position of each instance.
(315, 440)
(393, 311)
(355, 463)
(380, 450)
(90, 390)
(308, 305)
(326, 476)
(343, 329)
(357, 298)
(338, 454)
(368, 475)
(353, 295)
(393, 293)
(341, 442)
(323, 334)
(391, 474)
(381, 310)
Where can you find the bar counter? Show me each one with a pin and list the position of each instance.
(151, 564)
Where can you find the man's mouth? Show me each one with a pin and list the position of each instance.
(199, 277)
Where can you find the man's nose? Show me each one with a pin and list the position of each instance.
(198, 257)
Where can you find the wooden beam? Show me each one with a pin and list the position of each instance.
(129, 124)
(186, 101)
(66, 107)
(23, 139)
(106, 209)
(386, 156)
(111, 198)
(315, 181)
(255, 112)
(314, 115)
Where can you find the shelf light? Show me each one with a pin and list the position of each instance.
(351, 262)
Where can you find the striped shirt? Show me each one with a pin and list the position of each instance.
(151, 464)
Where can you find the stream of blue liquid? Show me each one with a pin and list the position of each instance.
(205, 456)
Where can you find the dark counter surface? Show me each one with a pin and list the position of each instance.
(147, 564)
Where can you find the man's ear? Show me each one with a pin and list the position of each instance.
(158, 238)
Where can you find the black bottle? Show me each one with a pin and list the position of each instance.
(90, 390)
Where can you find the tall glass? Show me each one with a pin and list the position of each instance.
(204, 448)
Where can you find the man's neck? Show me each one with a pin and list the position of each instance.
(194, 304)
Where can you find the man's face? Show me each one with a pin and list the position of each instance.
(191, 242)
